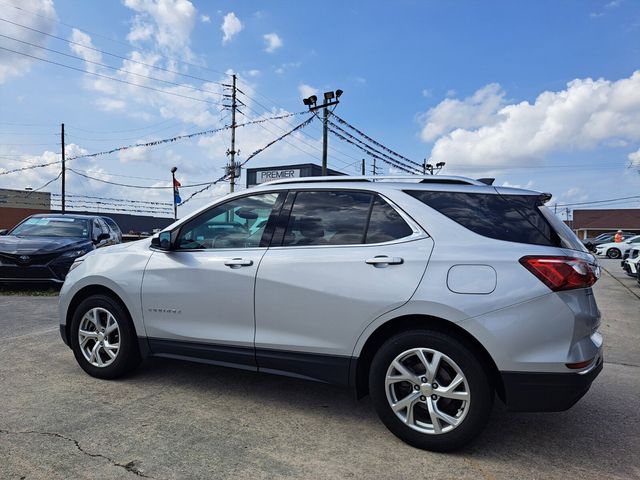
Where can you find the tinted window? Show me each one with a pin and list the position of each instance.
(328, 218)
(386, 224)
(514, 218)
(53, 227)
(239, 223)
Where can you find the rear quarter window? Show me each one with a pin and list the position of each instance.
(513, 218)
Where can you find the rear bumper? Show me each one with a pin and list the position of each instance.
(547, 392)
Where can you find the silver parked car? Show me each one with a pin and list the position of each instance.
(431, 295)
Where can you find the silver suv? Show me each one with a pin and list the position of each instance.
(431, 295)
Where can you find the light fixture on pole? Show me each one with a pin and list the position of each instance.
(330, 98)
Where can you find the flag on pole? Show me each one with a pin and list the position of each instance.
(176, 192)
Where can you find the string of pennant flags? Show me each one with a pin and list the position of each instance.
(153, 143)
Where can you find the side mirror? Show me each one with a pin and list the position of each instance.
(3, 231)
(102, 236)
(162, 241)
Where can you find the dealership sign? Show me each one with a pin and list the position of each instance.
(269, 175)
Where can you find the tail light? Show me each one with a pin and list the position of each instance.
(562, 273)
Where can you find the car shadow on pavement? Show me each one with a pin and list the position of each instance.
(538, 442)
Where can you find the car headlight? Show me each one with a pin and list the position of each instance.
(76, 263)
(75, 253)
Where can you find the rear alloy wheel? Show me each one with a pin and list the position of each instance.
(103, 338)
(430, 390)
(613, 253)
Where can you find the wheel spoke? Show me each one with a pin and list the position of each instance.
(433, 366)
(88, 333)
(406, 375)
(111, 325)
(407, 403)
(453, 421)
(448, 391)
(435, 421)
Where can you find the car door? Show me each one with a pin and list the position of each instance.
(198, 298)
(343, 259)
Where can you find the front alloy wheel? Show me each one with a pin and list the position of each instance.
(427, 391)
(103, 337)
(99, 337)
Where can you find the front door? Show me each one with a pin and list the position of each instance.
(198, 298)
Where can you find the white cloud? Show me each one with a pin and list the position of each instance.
(205, 19)
(88, 54)
(168, 22)
(111, 104)
(231, 26)
(587, 114)
(474, 111)
(253, 73)
(634, 158)
(307, 90)
(273, 42)
(15, 65)
(527, 186)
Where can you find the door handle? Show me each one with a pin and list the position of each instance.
(238, 262)
(382, 260)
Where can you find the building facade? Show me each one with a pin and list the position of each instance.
(591, 223)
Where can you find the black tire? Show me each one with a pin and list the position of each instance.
(479, 384)
(128, 355)
(613, 253)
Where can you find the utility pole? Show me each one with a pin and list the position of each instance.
(373, 167)
(328, 101)
(363, 167)
(63, 167)
(232, 152)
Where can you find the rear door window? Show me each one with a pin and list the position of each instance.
(328, 218)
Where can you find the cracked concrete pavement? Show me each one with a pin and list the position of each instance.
(173, 420)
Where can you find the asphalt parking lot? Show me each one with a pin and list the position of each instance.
(179, 420)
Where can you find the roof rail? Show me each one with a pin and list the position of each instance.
(376, 178)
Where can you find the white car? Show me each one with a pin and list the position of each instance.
(617, 250)
(631, 265)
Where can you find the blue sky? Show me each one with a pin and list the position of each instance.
(539, 94)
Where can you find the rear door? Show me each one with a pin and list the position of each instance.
(340, 259)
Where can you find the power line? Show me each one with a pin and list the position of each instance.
(344, 122)
(256, 152)
(113, 68)
(347, 134)
(372, 154)
(110, 78)
(53, 19)
(598, 201)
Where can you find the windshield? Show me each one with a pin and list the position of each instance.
(53, 227)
